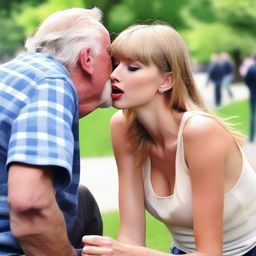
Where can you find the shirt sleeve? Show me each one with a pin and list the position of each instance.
(42, 132)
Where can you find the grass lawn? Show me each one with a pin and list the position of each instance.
(240, 111)
(94, 133)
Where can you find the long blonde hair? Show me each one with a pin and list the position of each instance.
(161, 45)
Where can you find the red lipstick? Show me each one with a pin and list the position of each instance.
(116, 93)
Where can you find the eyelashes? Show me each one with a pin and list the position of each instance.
(131, 68)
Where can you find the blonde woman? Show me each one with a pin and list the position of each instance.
(174, 158)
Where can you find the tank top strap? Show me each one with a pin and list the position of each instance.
(186, 116)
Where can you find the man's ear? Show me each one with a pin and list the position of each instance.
(85, 60)
(167, 83)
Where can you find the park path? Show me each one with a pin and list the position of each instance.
(100, 174)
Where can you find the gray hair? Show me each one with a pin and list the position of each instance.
(65, 33)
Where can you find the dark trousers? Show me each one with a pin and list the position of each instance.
(217, 93)
(89, 221)
(177, 251)
(252, 114)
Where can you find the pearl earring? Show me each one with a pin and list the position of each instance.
(161, 90)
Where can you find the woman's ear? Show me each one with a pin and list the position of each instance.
(167, 83)
(85, 60)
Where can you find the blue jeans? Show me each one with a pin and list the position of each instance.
(177, 251)
(252, 115)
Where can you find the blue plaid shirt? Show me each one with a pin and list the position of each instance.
(38, 126)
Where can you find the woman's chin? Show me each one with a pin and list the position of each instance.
(118, 106)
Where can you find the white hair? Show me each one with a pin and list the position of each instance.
(65, 33)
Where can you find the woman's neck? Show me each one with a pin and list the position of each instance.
(160, 122)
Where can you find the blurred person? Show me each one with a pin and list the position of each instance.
(246, 64)
(228, 77)
(213, 59)
(216, 74)
(63, 76)
(250, 81)
(175, 159)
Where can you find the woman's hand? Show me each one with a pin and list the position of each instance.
(102, 245)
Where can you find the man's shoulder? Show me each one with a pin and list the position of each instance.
(36, 66)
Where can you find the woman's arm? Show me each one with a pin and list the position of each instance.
(101, 245)
(131, 192)
(206, 146)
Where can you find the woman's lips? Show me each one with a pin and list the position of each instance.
(116, 92)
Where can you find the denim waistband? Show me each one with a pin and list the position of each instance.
(177, 251)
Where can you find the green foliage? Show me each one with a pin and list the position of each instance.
(11, 38)
(120, 17)
(95, 134)
(202, 10)
(240, 14)
(170, 11)
(207, 38)
(104, 5)
(207, 25)
(128, 12)
(31, 17)
(7, 6)
(157, 235)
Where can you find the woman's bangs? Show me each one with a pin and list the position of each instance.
(133, 47)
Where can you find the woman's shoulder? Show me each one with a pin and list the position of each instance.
(205, 128)
(207, 138)
(118, 115)
(119, 130)
(118, 122)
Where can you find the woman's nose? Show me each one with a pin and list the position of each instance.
(114, 75)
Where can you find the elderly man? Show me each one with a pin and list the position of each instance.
(43, 93)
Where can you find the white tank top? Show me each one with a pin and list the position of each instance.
(175, 211)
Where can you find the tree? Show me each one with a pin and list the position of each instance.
(32, 16)
(11, 43)
(7, 7)
(104, 5)
(239, 14)
(128, 12)
(230, 28)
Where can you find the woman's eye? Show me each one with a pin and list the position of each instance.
(131, 68)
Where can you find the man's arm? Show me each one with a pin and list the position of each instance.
(36, 220)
